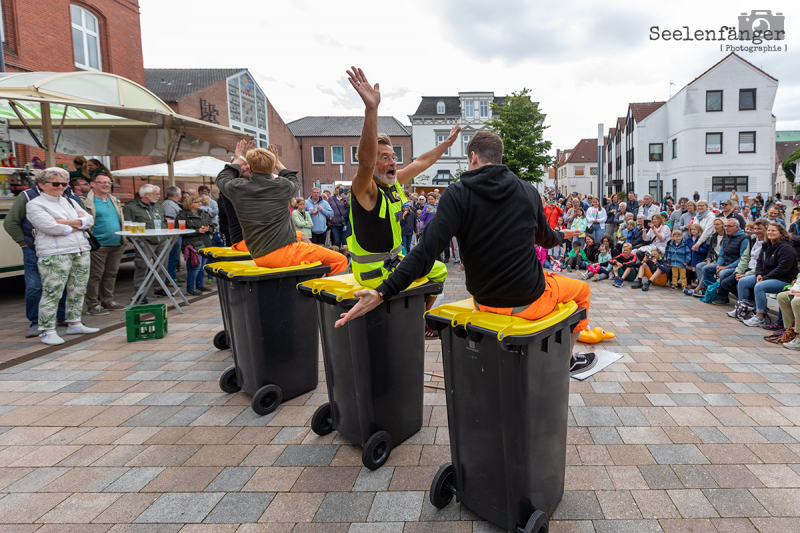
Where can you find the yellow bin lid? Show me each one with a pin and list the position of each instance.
(218, 251)
(237, 269)
(345, 286)
(463, 313)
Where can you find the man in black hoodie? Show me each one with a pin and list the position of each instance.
(496, 218)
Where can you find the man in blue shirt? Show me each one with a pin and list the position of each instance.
(320, 211)
(105, 262)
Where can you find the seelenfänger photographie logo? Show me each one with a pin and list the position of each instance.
(757, 31)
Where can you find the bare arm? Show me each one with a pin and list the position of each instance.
(423, 162)
(364, 188)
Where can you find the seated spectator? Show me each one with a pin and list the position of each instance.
(647, 209)
(626, 263)
(679, 255)
(627, 232)
(776, 267)
(712, 255)
(747, 265)
(658, 236)
(705, 218)
(652, 271)
(773, 215)
(794, 231)
(675, 216)
(732, 247)
(108, 220)
(638, 239)
(686, 218)
(301, 219)
(541, 254)
(747, 214)
(555, 257)
(789, 303)
(599, 270)
(579, 223)
(728, 211)
(694, 231)
(199, 220)
(62, 247)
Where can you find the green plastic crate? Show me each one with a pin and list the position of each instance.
(145, 322)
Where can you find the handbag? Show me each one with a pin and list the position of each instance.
(94, 244)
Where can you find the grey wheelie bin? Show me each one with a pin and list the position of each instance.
(374, 366)
(507, 392)
(275, 339)
(217, 254)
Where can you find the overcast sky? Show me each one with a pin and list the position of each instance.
(584, 61)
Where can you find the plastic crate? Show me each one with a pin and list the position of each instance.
(142, 327)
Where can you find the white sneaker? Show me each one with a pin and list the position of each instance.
(732, 313)
(51, 337)
(79, 329)
(753, 322)
(793, 344)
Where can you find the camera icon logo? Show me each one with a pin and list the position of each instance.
(757, 23)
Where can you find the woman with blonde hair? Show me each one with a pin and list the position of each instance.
(301, 219)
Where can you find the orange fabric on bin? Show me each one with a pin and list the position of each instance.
(298, 252)
(240, 246)
(558, 289)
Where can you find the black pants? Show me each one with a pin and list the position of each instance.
(318, 238)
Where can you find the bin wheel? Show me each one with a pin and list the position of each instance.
(537, 523)
(267, 399)
(221, 340)
(377, 450)
(442, 486)
(228, 381)
(322, 421)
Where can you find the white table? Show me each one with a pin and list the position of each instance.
(155, 263)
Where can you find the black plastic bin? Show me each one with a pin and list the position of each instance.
(507, 392)
(275, 339)
(217, 254)
(374, 366)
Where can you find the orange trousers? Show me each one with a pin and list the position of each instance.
(558, 289)
(240, 246)
(298, 252)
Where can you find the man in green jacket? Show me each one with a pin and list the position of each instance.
(147, 209)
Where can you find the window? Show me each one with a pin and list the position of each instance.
(656, 151)
(440, 108)
(469, 109)
(747, 99)
(398, 151)
(593, 171)
(484, 109)
(653, 189)
(440, 138)
(262, 141)
(466, 139)
(579, 171)
(353, 158)
(85, 39)
(713, 100)
(443, 177)
(729, 183)
(317, 155)
(337, 155)
(674, 148)
(747, 142)
(714, 143)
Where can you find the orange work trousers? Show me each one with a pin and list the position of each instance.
(558, 289)
(241, 246)
(298, 252)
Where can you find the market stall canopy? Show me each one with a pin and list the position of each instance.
(197, 167)
(95, 113)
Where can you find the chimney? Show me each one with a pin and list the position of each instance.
(558, 155)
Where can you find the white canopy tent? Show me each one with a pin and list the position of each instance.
(198, 167)
(95, 113)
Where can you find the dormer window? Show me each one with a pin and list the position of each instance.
(440, 108)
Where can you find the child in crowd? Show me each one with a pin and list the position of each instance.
(599, 269)
(627, 231)
(625, 263)
(541, 254)
(695, 230)
(555, 257)
(653, 270)
(578, 257)
(678, 257)
(579, 224)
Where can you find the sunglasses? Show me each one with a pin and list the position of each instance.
(58, 183)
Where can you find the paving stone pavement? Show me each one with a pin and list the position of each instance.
(694, 429)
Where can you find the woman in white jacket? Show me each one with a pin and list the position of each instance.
(62, 248)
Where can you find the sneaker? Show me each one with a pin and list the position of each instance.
(569, 269)
(51, 337)
(159, 292)
(775, 326)
(698, 294)
(193, 292)
(793, 344)
(456, 263)
(80, 329)
(580, 362)
(143, 301)
(430, 333)
(583, 274)
(637, 284)
(753, 322)
(688, 292)
(721, 301)
(646, 285)
(210, 280)
(178, 283)
(617, 282)
(674, 287)
(97, 310)
(732, 313)
(34, 331)
(114, 306)
(204, 289)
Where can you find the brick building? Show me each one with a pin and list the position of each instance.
(328, 143)
(64, 36)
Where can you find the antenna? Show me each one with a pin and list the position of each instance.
(671, 83)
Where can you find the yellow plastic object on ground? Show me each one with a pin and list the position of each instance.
(345, 286)
(223, 254)
(463, 313)
(234, 269)
(593, 336)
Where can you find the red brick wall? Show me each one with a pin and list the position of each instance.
(329, 172)
(288, 146)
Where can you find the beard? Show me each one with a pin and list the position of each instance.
(383, 179)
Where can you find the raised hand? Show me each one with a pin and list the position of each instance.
(240, 150)
(371, 95)
(453, 137)
(273, 148)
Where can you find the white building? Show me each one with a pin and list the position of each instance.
(715, 134)
(431, 124)
(577, 168)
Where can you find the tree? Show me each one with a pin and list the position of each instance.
(520, 124)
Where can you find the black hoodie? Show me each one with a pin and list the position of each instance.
(497, 218)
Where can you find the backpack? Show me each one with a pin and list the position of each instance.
(745, 309)
(712, 293)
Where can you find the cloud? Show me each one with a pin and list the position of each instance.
(515, 31)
